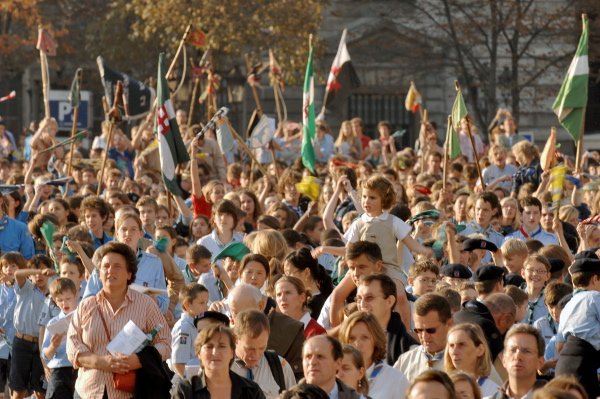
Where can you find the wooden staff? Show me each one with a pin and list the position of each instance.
(580, 145)
(193, 98)
(45, 82)
(423, 134)
(112, 116)
(246, 149)
(179, 48)
(78, 76)
(472, 140)
(446, 153)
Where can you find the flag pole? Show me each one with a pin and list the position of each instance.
(78, 77)
(45, 79)
(580, 144)
(422, 134)
(446, 150)
(193, 98)
(112, 116)
(179, 48)
(472, 140)
(246, 149)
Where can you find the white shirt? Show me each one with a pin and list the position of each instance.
(324, 319)
(414, 362)
(264, 378)
(389, 383)
(488, 388)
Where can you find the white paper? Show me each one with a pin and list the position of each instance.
(60, 326)
(127, 340)
(148, 290)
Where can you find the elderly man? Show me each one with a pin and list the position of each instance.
(272, 373)
(287, 334)
(322, 358)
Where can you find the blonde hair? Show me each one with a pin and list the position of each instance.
(514, 246)
(516, 222)
(458, 376)
(566, 212)
(526, 149)
(484, 363)
(273, 246)
(208, 189)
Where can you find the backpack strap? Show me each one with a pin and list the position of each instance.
(276, 369)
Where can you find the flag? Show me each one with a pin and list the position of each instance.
(548, 157)
(46, 43)
(224, 136)
(274, 70)
(342, 79)
(459, 112)
(10, 96)
(308, 116)
(557, 181)
(413, 99)
(170, 145)
(197, 38)
(309, 186)
(262, 132)
(75, 95)
(47, 230)
(571, 101)
(139, 97)
(452, 144)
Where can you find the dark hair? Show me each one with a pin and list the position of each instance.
(190, 291)
(302, 259)
(255, 258)
(531, 201)
(336, 347)
(304, 391)
(13, 257)
(433, 303)
(567, 383)
(125, 251)
(388, 287)
(349, 173)
(257, 207)
(438, 376)
(490, 198)
(555, 291)
(582, 279)
(368, 248)
(522, 328)
(40, 261)
(93, 203)
(197, 252)
(269, 221)
(228, 207)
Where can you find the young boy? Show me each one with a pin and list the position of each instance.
(531, 228)
(148, 207)
(514, 253)
(26, 369)
(61, 384)
(422, 277)
(553, 293)
(455, 274)
(194, 301)
(94, 212)
(9, 263)
(578, 337)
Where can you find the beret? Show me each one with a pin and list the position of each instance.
(514, 279)
(556, 264)
(456, 270)
(220, 317)
(472, 244)
(587, 254)
(585, 265)
(489, 272)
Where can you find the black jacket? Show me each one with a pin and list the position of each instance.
(195, 388)
(152, 380)
(477, 313)
(287, 338)
(398, 339)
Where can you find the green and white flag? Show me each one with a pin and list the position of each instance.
(308, 116)
(75, 94)
(571, 101)
(170, 145)
(459, 112)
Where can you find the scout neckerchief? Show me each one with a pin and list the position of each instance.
(531, 307)
(481, 381)
(376, 371)
(431, 359)
(535, 233)
(551, 323)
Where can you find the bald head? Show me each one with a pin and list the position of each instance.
(244, 297)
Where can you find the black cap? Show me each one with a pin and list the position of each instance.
(585, 265)
(217, 316)
(456, 270)
(587, 254)
(514, 279)
(489, 272)
(472, 244)
(556, 265)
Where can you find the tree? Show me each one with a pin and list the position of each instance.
(523, 38)
(235, 27)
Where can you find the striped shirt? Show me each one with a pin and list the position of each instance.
(86, 334)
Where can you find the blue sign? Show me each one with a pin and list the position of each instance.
(61, 110)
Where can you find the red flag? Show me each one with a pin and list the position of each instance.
(197, 38)
(46, 43)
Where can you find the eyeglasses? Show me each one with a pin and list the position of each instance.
(429, 331)
(539, 272)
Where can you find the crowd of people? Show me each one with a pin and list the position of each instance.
(386, 275)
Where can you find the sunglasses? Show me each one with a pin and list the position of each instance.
(429, 331)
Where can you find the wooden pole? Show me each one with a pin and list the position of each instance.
(112, 118)
(247, 150)
(179, 48)
(193, 101)
(422, 137)
(446, 155)
(580, 145)
(45, 83)
(79, 75)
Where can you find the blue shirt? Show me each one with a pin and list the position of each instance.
(8, 300)
(14, 236)
(326, 147)
(150, 273)
(49, 311)
(489, 233)
(60, 357)
(182, 340)
(581, 318)
(98, 242)
(542, 236)
(30, 301)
